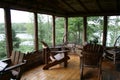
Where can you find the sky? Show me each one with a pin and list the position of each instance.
(20, 16)
(16, 16)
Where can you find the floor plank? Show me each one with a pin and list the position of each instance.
(72, 72)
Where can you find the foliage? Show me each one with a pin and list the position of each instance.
(75, 30)
(113, 30)
(25, 48)
(2, 49)
(16, 40)
(28, 29)
(19, 27)
(59, 30)
(95, 28)
(2, 29)
(44, 30)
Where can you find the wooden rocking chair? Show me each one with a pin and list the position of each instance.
(14, 69)
(51, 55)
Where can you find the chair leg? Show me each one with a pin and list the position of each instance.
(100, 74)
(81, 68)
(81, 72)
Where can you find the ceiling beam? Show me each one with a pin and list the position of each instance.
(39, 7)
(26, 7)
(80, 14)
(118, 5)
(99, 5)
(81, 3)
(64, 1)
(55, 6)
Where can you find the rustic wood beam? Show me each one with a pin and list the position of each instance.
(26, 7)
(118, 5)
(8, 31)
(55, 6)
(66, 29)
(64, 1)
(50, 7)
(81, 3)
(105, 31)
(36, 31)
(99, 5)
(84, 29)
(53, 30)
(80, 14)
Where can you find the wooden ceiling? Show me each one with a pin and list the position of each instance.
(68, 8)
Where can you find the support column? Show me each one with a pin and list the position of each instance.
(53, 30)
(36, 31)
(84, 29)
(105, 31)
(66, 30)
(8, 30)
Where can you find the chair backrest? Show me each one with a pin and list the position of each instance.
(92, 53)
(16, 57)
(45, 46)
(93, 48)
(14, 69)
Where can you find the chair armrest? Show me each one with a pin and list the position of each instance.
(7, 60)
(62, 51)
(15, 66)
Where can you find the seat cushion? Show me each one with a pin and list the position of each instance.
(14, 72)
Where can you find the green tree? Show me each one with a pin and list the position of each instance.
(113, 29)
(75, 29)
(16, 40)
(44, 29)
(59, 30)
(19, 27)
(95, 28)
(2, 49)
(2, 28)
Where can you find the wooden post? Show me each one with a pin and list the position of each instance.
(85, 29)
(36, 31)
(105, 31)
(66, 29)
(8, 31)
(53, 30)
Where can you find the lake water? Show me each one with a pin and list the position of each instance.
(24, 36)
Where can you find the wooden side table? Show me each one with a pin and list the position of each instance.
(114, 53)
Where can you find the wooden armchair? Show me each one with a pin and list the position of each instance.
(51, 55)
(91, 57)
(14, 69)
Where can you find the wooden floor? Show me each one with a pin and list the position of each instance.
(72, 72)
